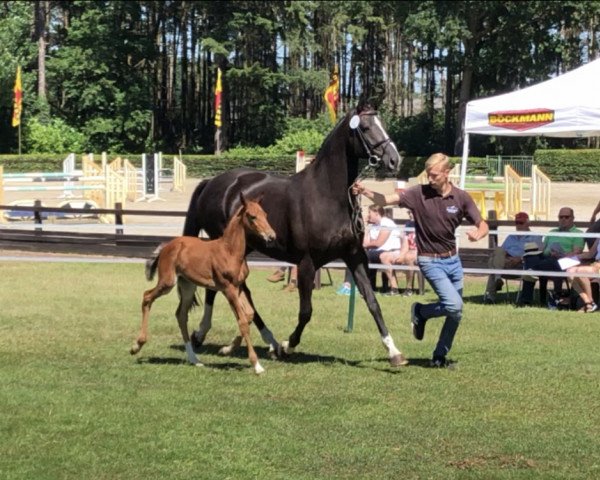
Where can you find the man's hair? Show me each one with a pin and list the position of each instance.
(378, 209)
(571, 211)
(436, 159)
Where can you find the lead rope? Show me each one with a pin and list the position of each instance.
(358, 223)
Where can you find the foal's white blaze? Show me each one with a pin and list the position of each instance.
(191, 355)
(389, 344)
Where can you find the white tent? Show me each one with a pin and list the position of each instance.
(565, 106)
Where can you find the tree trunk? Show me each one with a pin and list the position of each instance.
(42, 10)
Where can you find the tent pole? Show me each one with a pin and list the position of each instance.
(463, 165)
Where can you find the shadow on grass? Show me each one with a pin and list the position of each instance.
(297, 358)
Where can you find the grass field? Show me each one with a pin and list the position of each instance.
(522, 403)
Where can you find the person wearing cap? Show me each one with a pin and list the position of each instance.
(510, 255)
(438, 208)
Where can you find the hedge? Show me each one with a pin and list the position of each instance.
(559, 165)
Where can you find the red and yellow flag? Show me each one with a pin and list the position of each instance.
(218, 91)
(18, 103)
(332, 95)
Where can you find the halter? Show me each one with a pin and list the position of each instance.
(374, 160)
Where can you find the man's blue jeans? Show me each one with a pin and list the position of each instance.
(445, 275)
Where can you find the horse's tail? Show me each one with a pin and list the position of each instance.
(152, 262)
(192, 227)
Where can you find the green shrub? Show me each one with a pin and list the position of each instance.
(569, 165)
(52, 136)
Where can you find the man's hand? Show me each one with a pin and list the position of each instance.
(358, 188)
(473, 235)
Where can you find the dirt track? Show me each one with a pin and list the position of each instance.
(582, 197)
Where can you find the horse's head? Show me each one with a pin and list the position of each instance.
(374, 140)
(254, 219)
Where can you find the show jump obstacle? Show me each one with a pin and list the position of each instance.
(102, 185)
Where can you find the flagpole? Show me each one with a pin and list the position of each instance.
(19, 140)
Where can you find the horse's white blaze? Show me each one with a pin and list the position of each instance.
(389, 344)
(191, 355)
(269, 339)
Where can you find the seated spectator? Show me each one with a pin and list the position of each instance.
(408, 254)
(509, 255)
(559, 247)
(382, 235)
(582, 285)
(554, 247)
(278, 275)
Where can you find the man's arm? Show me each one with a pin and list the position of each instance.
(376, 197)
(384, 234)
(596, 211)
(478, 233)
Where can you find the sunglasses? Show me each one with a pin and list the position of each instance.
(564, 216)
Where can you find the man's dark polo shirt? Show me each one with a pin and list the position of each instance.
(437, 217)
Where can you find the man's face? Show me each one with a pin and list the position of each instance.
(565, 219)
(438, 175)
(521, 224)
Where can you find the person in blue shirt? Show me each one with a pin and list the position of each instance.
(509, 255)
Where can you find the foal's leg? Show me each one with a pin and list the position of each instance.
(162, 288)
(237, 299)
(358, 266)
(265, 333)
(187, 293)
(198, 336)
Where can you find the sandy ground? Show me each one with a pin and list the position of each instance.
(582, 197)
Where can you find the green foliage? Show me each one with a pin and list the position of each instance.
(569, 165)
(418, 135)
(46, 162)
(53, 136)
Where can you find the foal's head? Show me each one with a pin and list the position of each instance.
(254, 219)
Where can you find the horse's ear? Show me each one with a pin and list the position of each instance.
(243, 200)
(365, 104)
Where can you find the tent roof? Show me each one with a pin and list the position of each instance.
(565, 106)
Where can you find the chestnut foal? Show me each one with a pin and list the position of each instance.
(218, 265)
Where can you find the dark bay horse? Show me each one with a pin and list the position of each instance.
(218, 265)
(314, 216)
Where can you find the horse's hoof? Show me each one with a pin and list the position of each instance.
(258, 369)
(274, 352)
(196, 340)
(198, 364)
(398, 360)
(286, 349)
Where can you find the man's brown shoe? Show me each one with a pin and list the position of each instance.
(276, 276)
